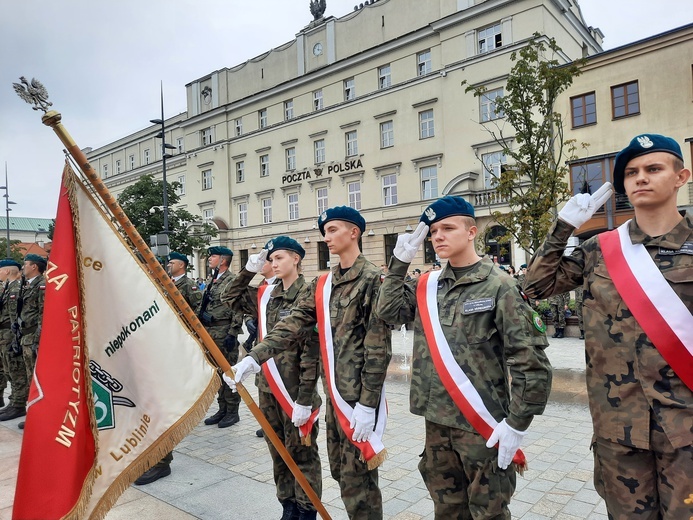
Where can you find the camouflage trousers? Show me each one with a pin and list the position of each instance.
(166, 461)
(227, 399)
(558, 303)
(649, 484)
(463, 477)
(578, 307)
(29, 351)
(358, 486)
(15, 370)
(307, 458)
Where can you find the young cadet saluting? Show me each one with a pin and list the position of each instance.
(293, 372)
(637, 302)
(355, 350)
(472, 325)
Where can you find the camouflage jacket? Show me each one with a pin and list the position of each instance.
(222, 315)
(362, 346)
(628, 381)
(9, 303)
(297, 367)
(484, 343)
(32, 304)
(189, 290)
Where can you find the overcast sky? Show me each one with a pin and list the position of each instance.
(102, 63)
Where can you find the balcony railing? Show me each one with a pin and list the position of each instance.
(488, 198)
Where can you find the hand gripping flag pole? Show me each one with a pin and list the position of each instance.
(37, 95)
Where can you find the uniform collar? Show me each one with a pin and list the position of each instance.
(353, 272)
(479, 271)
(674, 239)
(291, 293)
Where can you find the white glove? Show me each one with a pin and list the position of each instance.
(580, 208)
(300, 415)
(408, 244)
(363, 422)
(242, 370)
(508, 440)
(256, 262)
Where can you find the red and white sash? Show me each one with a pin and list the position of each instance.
(373, 450)
(455, 381)
(269, 367)
(655, 306)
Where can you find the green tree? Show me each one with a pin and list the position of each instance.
(51, 229)
(530, 134)
(137, 202)
(15, 252)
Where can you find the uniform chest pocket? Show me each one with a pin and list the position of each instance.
(346, 300)
(602, 296)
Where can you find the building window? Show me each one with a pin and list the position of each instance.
(288, 109)
(387, 134)
(390, 189)
(429, 252)
(243, 214)
(207, 179)
(625, 100)
(429, 182)
(390, 241)
(487, 105)
(323, 256)
(240, 171)
(207, 214)
(319, 147)
(317, 100)
(131, 161)
(349, 89)
(490, 38)
(352, 147)
(180, 144)
(321, 195)
(262, 118)
(354, 189)
(264, 165)
(243, 256)
(423, 62)
(384, 77)
(105, 170)
(293, 206)
(584, 109)
(238, 126)
(267, 211)
(493, 167)
(426, 126)
(119, 167)
(206, 136)
(180, 190)
(291, 159)
(146, 156)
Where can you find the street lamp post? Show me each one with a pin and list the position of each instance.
(164, 147)
(7, 209)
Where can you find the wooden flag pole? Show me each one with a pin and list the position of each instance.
(52, 119)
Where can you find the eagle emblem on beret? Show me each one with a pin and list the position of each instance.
(323, 217)
(430, 214)
(645, 141)
(270, 245)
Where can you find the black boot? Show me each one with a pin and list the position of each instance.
(12, 412)
(305, 514)
(214, 419)
(2, 401)
(260, 433)
(229, 419)
(21, 425)
(559, 333)
(153, 474)
(582, 334)
(290, 510)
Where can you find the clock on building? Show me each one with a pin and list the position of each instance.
(317, 49)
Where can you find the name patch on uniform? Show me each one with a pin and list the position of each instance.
(473, 306)
(284, 313)
(686, 249)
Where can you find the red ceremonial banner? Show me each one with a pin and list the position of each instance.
(57, 462)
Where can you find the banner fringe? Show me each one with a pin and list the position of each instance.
(376, 461)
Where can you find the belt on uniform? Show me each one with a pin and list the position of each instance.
(217, 323)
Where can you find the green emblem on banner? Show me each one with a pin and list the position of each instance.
(103, 406)
(538, 322)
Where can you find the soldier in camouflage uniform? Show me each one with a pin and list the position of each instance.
(641, 405)
(177, 268)
(558, 303)
(362, 352)
(12, 362)
(224, 326)
(491, 329)
(578, 310)
(298, 369)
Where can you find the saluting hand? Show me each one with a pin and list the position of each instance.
(256, 262)
(582, 206)
(408, 243)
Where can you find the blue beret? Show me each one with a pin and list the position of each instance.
(35, 258)
(178, 256)
(10, 262)
(344, 213)
(642, 145)
(448, 206)
(284, 242)
(219, 250)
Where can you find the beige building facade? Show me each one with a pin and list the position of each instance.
(367, 110)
